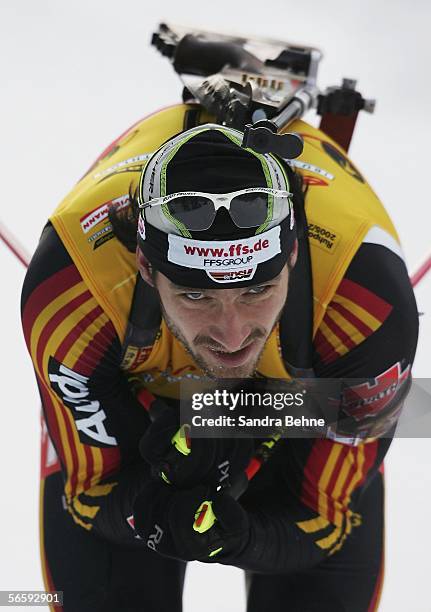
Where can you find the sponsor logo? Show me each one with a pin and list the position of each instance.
(233, 255)
(230, 250)
(100, 241)
(101, 236)
(72, 389)
(370, 398)
(154, 538)
(101, 232)
(232, 276)
(134, 356)
(323, 237)
(101, 212)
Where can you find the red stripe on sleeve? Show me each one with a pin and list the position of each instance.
(353, 319)
(332, 482)
(324, 348)
(336, 329)
(88, 361)
(336, 469)
(90, 467)
(54, 322)
(95, 350)
(312, 471)
(45, 293)
(351, 473)
(370, 455)
(111, 460)
(365, 298)
(76, 332)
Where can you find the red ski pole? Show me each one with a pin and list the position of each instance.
(13, 245)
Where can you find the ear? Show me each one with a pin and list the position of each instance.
(144, 267)
(294, 255)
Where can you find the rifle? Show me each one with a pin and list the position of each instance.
(259, 86)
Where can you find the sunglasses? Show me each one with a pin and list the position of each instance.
(196, 211)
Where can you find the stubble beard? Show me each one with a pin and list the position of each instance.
(218, 372)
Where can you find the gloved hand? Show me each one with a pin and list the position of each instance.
(179, 524)
(186, 462)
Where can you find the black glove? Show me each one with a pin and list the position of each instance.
(180, 524)
(186, 462)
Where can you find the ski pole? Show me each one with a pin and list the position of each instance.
(13, 245)
(423, 269)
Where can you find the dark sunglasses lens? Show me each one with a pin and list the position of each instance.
(195, 212)
(249, 209)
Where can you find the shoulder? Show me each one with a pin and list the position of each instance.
(372, 319)
(61, 318)
(50, 261)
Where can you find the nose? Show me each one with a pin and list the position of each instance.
(232, 328)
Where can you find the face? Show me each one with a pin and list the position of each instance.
(224, 330)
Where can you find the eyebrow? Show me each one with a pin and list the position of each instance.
(188, 289)
(203, 289)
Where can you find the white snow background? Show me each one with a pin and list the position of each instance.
(73, 76)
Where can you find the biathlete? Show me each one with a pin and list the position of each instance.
(180, 256)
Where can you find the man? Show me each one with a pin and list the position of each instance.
(204, 268)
